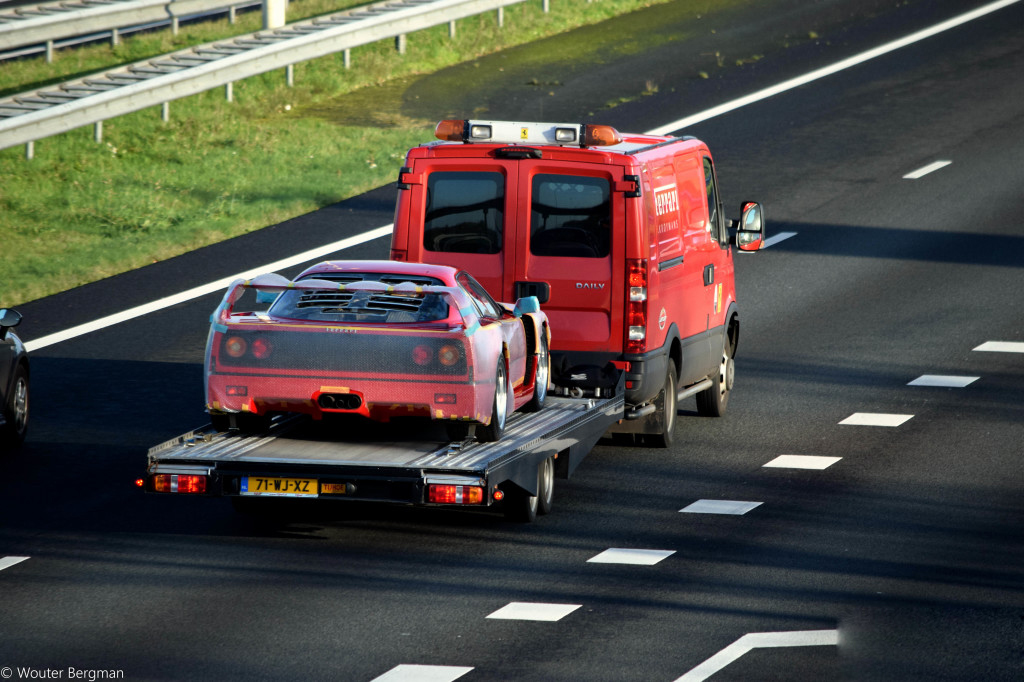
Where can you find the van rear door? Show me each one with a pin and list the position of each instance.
(568, 240)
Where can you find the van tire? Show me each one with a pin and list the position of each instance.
(713, 401)
(541, 376)
(666, 412)
(492, 431)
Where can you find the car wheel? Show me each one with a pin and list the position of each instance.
(541, 376)
(665, 412)
(712, 401)
(15, 429)
(488, 433)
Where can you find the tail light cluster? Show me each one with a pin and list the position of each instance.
(447, 355)
(238, 346)
(179, 483)
(636, 305)
(455, 494)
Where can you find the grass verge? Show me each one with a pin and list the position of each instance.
(81, 211)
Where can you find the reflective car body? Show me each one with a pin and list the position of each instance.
(375, 338)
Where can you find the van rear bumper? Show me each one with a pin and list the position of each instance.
(644, 379)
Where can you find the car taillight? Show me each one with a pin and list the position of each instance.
(235, 346)
(448, 355)
(422, 354)
(455, 494)
(179, 483)
(636, 305)
(261, 349)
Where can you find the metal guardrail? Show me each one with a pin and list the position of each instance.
(46, 23)
(31, 116)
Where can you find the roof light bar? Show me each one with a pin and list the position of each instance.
(513, 132)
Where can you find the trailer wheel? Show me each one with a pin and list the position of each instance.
(541, 376)
(521, 506)
(712, 401)
(665, 414)
(488, 433)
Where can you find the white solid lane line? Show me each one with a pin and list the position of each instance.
(776, 238)
(138, 311)
(930, 168)
(759, 640)
(8, 561)
(833, 69)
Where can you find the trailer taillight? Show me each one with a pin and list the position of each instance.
(455, 494)
(636, 305)
(179, 483)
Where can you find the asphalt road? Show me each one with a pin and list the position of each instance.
(904, 554)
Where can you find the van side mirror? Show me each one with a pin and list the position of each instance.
(526, 304)
(750, 232)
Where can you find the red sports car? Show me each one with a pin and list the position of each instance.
(379, 339)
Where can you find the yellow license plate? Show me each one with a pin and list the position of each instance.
(333, 488)
(279, 487)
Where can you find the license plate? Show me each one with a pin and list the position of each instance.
(333, 488)
(279, 487)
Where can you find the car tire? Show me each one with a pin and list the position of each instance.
(713, 401)
(541, 377)
(665, 414)
(492, 431)
(15, 428)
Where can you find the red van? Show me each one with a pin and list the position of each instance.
(622, 238)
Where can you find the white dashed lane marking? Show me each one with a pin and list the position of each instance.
(1002, 347)
(876, 419)
(802, 462)
(734, 507)
(423, 673)
(518, 610)
(930, 168)
(639, 557)
(9, 561)
(943, 381)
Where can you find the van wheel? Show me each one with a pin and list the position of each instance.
(712, 401)
(488, 433)
(541, 376)
(665, 414)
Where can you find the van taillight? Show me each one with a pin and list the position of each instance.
(636, 305)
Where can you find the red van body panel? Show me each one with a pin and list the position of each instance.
(570, 224)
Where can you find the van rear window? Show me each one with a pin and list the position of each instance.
(570, 216)
(465, 212)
